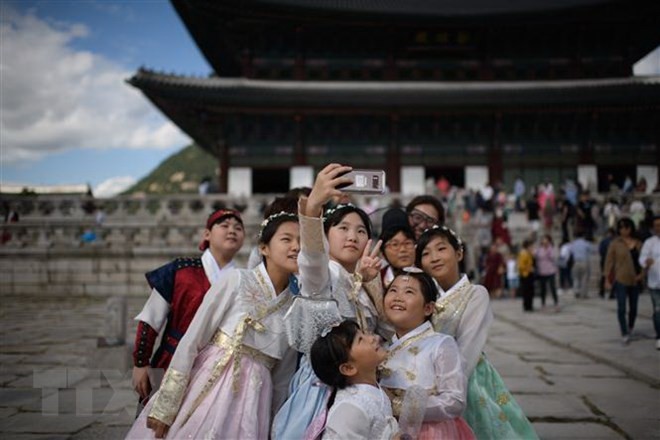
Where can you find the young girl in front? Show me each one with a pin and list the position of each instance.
(332, 245)
(421, 357)
(463, 311)
(346, 359)
(226, 369)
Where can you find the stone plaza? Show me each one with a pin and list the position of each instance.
(567, 369)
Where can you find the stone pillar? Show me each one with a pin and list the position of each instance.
(115, 323)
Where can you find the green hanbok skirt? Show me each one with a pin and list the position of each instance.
(492, 412)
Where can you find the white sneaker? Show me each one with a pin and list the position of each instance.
(625, 340)
(657, 344)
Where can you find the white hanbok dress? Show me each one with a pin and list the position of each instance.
(231, 367)
(362, 412)
(430, 361)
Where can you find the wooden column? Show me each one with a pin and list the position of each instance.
(495, 165)
(223, 164)
(299, 156)
(393, 165)
(586, 155)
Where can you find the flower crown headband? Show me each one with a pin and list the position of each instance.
(272, 217)
(331, 211)
(445, 229)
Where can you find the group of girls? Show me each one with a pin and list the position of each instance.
(412, 350)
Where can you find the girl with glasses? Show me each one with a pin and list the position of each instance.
(398, 244)
(424, 212)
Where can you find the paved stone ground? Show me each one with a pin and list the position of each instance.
(568, 370)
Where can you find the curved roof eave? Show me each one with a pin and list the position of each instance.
(262, 93)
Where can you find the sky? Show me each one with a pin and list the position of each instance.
(67, 115)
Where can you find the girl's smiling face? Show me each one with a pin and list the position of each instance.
(281, 252)
(440, 260)
(405, 305)
(366, 354)
(347, 240)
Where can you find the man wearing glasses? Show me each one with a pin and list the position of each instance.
(423, 212)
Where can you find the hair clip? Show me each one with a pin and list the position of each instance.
(271, 218)
(446, 229)
(331, 211)
(412, 269)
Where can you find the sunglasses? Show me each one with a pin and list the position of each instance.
(418, 217)
(396, 245)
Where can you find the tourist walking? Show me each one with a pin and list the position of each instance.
(546, 268)
(649, 258)
(526, 271)
(582, 250)
(622, 275)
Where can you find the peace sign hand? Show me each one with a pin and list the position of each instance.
(370, 261)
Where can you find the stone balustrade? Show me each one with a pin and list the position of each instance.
(59, 247)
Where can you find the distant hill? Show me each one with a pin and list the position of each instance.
(180, 173)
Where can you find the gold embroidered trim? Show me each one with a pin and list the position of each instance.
(220, 339)
(448, 309)
(387, 372)
(169, 397)
(356, 282)
(234, 345)
(397, 396)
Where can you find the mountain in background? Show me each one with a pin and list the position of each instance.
(180, 173)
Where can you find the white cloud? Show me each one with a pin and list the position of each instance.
(113, 186)
(56, 98)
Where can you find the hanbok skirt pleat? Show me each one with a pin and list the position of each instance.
(492, 412)
(223, 413)
(454, 429)
(307, 399)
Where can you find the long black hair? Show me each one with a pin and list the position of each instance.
(330, 351)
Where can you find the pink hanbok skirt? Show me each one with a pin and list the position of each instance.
(223, 414)
(453, 429)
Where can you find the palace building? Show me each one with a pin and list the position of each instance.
(475, 90)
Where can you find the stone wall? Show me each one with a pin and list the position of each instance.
(45, 252)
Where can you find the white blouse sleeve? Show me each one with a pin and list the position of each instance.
(473, 329)
(347, 421)
(155, 311)
(208, 318)
(313, 259)
(449, 398)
